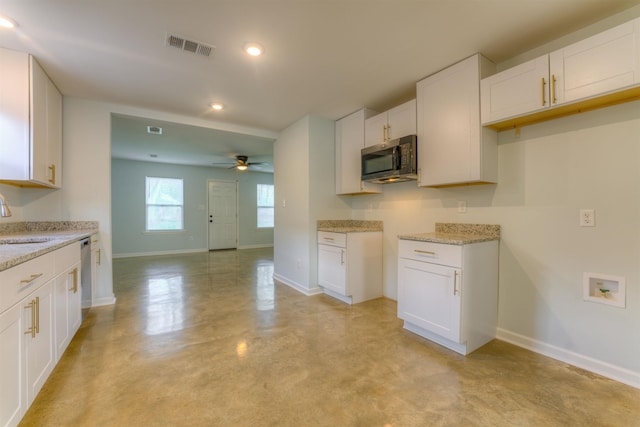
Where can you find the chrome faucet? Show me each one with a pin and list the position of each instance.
(4, 207)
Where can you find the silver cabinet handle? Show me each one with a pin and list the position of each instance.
(341, 256)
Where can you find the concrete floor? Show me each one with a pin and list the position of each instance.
(208, 340)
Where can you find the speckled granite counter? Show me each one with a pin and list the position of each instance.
(457, 234)
(348, 225)
(49, 236)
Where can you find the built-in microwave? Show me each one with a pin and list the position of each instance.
(392, 161)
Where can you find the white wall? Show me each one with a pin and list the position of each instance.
(546, 175)
(127, 195)
(304, 192)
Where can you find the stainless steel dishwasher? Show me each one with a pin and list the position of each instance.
(85, 275)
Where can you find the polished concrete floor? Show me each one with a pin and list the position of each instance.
(208, 340)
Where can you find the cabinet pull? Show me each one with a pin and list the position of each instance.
(455, 283)
(328, 238)
(99, 258)
(31, 279)
(553, 88)
(341, 256)
(37, 310)
(74, 288)
(52, 168)
(32, 329)
(424, 252)
(544, 102)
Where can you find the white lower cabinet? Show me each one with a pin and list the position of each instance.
(449, 293)
(350, 265)
(39, 313)
(12, 404)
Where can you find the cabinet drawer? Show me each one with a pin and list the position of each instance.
(437, 253)
(332, 239)
(67, 256)
(17, 282)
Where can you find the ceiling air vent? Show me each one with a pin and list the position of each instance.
(191, 46)
(154, 130)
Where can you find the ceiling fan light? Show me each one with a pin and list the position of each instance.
(217, 106)
(242, 167)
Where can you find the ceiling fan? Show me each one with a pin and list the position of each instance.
(241, 164)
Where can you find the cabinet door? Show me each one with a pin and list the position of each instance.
(54, 135)
(451, 147)
(375, 130)
(349, 143)
(67, 308)
(402, 120)
(11, 399)
(37, 312)
(603, 63)
(429, 296)
(519, 90)
(14, 108)
(332, 269)
(39, 143)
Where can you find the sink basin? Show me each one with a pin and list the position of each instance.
(23, 240)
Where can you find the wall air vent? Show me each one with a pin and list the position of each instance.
(154, 130)
(190, 46)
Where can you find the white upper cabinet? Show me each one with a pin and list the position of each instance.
(603, 63)
(349, 143)
(453, 148)
(395, 123)
(31, 137)
(592, 73)
(519, 90)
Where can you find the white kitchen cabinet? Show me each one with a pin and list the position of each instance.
(68, 312)
(350, 265)
(519, 90)
(31, 135)
(37, 318)
(581, 76)
(453, 148)
(12, 403)
(36, 298)
(603, 63)
(449, 293)
(392, 124)
(349, 143)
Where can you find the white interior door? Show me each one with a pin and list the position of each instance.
(223, 219)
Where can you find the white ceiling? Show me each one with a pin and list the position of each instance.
(323, 57)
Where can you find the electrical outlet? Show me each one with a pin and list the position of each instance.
(587, 218)
(462, 206)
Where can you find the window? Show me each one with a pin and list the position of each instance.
(265, 206)
(164, 203)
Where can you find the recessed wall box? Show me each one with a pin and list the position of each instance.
(604, 289)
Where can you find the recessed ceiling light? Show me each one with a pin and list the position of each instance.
(217, 106)
(254, 49)
(7, 22)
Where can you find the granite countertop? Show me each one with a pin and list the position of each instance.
(348, 225)
(48, 236)
(457, 234)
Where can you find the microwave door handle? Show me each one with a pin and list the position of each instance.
(397, 161)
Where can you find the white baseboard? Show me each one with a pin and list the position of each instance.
(256, 246)
(298, 287)
(173, 252)
(617, 373)
(97, 302)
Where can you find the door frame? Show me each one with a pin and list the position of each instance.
(206, 217)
